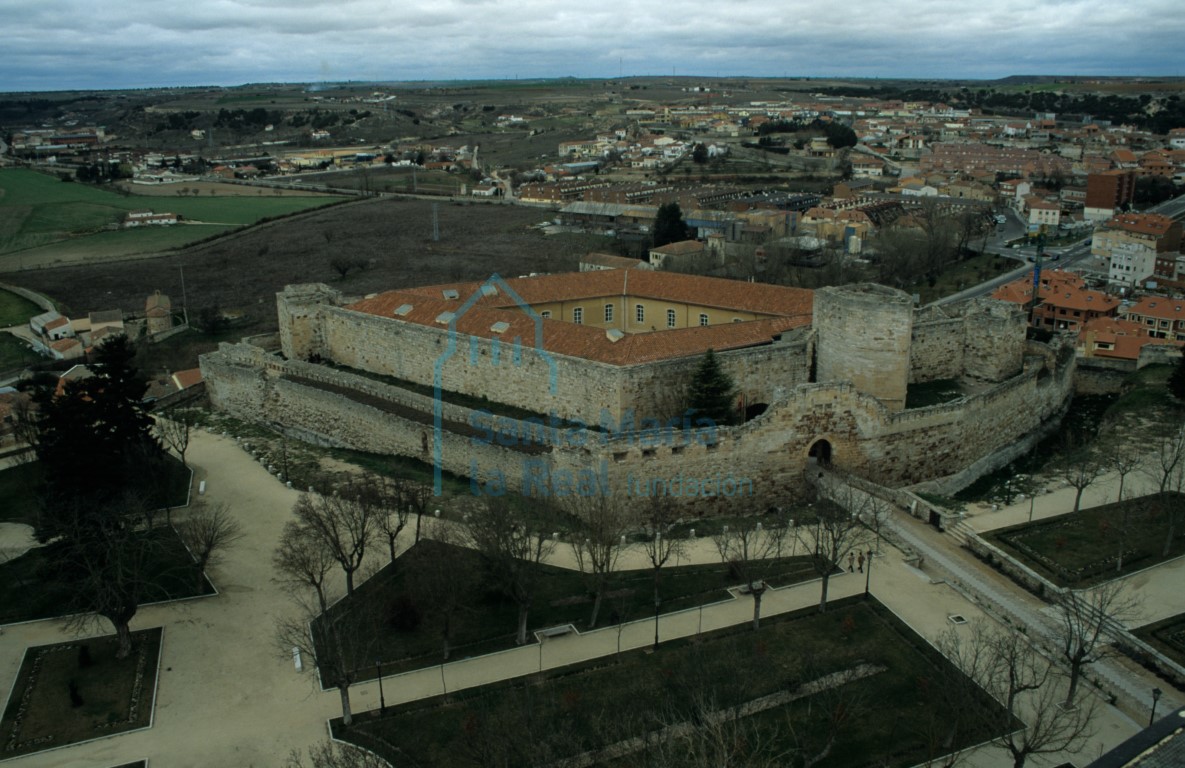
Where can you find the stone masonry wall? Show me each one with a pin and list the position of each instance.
(747, 467)
(936, 351)
(863, 336)
(572, 388)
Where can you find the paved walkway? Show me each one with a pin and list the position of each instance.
(1004, 599)
(228, 697)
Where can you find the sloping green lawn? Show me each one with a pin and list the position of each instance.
(16, 310)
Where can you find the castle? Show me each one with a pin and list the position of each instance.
(557, 384)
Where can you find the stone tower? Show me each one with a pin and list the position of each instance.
(863, 336)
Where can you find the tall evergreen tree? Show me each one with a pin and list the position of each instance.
(95, 439)
(711, 391)
(102, 466)
(669, 226)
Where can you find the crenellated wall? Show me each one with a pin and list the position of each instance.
(759, 463)
(315, 326)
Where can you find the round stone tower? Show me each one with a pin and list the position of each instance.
(863, 336)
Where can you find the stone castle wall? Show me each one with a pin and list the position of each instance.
(863, 336)
(980, 339)
(762, 462)
(518, 375)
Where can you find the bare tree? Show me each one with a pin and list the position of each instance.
(701, 735)
(393, 513)
(337, 642)
(661, 515)
(837, 531)
(598, 542)
(1123, 464)
(208, 531)
(1080, 471)
(173, 430)
(512, 554)
(108, 563)
(303, 559)
(1083, 618)
(334, 754)
(445, 580)
(1026, 685)
(1167, 469)
(345, 519)
(748, 547)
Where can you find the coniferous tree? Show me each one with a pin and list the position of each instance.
(669, 226)
(102, 465)
(711, 391)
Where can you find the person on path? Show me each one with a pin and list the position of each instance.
(851, 562)
(861, 562)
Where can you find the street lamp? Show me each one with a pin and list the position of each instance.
(868, 574)
(1155, 698)
(378, 663)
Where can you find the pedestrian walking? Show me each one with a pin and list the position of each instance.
(851, 562)
(861, 562)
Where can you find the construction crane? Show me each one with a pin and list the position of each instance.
(1037, 273)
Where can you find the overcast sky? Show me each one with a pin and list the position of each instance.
(58, 44)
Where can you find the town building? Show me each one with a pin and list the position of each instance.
(1108, 193)
(1132, 243)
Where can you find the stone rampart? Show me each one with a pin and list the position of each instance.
(312, 327)
(863, 336)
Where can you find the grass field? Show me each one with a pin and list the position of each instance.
(1079, 549)
(1168, 635)
(30, 589)
(115, 695)
(15, 353)
(16, 310)
(542, 719)
(246, 269)
(409, 640)
(37, 210)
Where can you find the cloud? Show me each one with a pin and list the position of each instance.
(132, 43)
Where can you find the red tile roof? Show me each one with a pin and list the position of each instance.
(787, 308)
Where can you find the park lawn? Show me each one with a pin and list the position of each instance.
(487, 622)
(16, 310)
(30, 587)
(569, 711)
(117, 695)
(1080, 549)
(1167, 636)
(16, 354)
